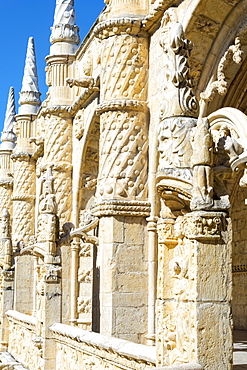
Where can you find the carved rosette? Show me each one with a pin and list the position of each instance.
(23, 199)
(58, 153)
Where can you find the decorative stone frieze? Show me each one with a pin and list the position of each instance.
(203, 225)
(122, 208)
(114, 27)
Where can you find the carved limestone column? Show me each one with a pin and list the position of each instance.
(8, 139)
(24, 189)
(122, 179)
(64, 43)
(48, 276)
(6, 277)
(193, 305)
(58, 153)
(24, 165)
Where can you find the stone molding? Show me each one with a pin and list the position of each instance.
(239, 268)
(21, 317)
(191, 366)
(125, 104)
(109, 348)
(30, 97)
(65, 33)
(58, 110)
(118, 26)
(8, 183)
(83, 99)
(21, 156)
(24, 197)
(116, 207)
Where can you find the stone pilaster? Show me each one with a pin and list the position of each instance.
(193, 304)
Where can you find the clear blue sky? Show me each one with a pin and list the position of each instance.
(25, 18)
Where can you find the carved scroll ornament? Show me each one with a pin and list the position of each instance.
(179, 83)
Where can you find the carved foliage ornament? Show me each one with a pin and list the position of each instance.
(179, 83)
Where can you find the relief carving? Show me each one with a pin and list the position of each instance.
(202, 162)
(203, 225)
(206, 26)
(179, 84)
(175, 147)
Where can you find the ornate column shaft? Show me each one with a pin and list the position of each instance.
(122, 179)
(58, 154)
(6, 277)
(23, 199)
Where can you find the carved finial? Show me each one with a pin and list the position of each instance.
(64, 27)
(30, 94)
(179, 85)
(8, 137)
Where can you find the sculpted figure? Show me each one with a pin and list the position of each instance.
(48, 198)
(202, 162)
(228, 149)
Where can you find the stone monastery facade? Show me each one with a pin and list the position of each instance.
(123, 216)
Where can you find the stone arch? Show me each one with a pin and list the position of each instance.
(213, 28)
(236, 121)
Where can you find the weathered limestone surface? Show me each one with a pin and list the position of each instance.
(123, 195)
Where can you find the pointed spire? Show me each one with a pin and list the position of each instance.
(64, 28)
(8, 137)
(30, 95)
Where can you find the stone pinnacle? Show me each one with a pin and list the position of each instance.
(8, 137)
(64, 27)
(30, 89)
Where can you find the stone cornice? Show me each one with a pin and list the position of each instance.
(112, 349)
(118, 26)
(21, 156)
(125, 104)
(23, 197)
(61, 110)
(6, 183)
(83, 99)
(115, 207)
